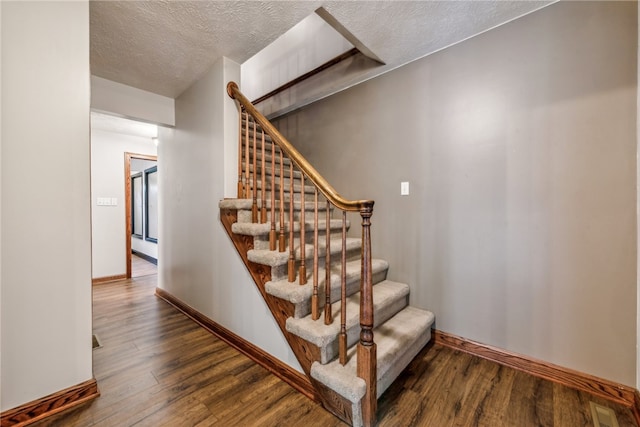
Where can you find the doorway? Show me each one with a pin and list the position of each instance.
(141, 218)
(111, 139)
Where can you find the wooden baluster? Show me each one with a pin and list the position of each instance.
(263, 173)
(366, 349)
(281, 241)
(315, 304)
(328, 316)
(240, 186)
(292, 256)
(272, 232)
(302, 273)
(343, 292)
(247, 189)
(254, 206)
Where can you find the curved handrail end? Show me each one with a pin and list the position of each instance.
(231, 87)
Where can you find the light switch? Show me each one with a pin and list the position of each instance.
(404, 188)
(114, 201)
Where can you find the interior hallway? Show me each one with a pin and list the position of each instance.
(156, 367)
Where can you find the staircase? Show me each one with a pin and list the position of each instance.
(350, 328)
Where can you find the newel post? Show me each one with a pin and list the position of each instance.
(366, 347)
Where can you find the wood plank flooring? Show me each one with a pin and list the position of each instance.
(158, 368)
(141, 267)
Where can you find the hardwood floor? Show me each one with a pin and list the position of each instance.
(141, 267)
(158, 368)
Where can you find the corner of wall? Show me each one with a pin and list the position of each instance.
(231, 72)
(1, 38)
(199, 264)
(638, 208)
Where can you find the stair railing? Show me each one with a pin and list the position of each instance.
(251, 146)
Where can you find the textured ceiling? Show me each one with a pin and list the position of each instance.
(165, 46)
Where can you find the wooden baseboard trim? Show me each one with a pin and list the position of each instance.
(286, 373)
(636, 407)
(600, 387)
(145, 257)
(49, 405)
(107, 279)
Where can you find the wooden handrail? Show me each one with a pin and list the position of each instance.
(366, 347)
(325, 188)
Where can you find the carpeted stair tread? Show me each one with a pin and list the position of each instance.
(246, 204)
(254, 229)
(300, 296)
(398, 341)
(309, 189)
(267, 158)
(267, 169)
(267, 138)
(308, 205)
(275, 258)
(239, 204)
(388, 299)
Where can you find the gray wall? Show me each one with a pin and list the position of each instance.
(520, 148)
(46, 230)
(198, 262)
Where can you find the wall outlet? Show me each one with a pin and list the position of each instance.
(404, 188)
